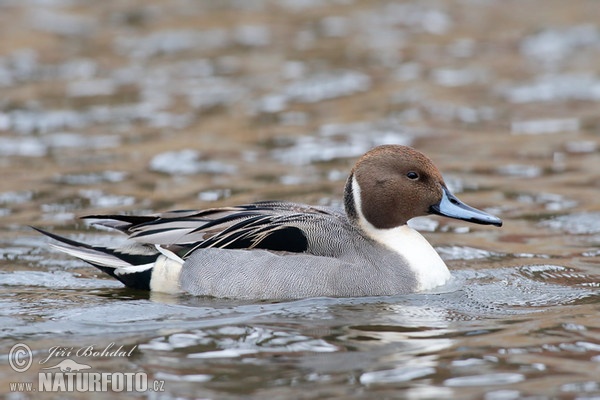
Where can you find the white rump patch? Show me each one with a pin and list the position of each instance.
(165, 275)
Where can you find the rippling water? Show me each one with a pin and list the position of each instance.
(140, 106)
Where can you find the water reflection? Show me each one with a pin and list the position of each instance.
(552, 47)
(188, 162)
(577, 223)
(141, 107)
(339, 141)
(558, 87)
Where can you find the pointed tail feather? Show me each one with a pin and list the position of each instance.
(120, 222)
(133, 270)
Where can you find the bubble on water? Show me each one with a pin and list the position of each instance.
(25, 121)
(501, 378)
(82, 68)
(299, 5)
(577, 223)
(415, 16)
(336, 175)
(208, 93)
(61, 23)
(581, 387)
(465, 253)
(557, 273)
(98, 198)
(182, 340)
(195, 68)
(182, 377)
(581, 146)
(59, 217)
(91, 88)
(214, 195)
(339, 141)
(13, 252)
(92, 178)
(593, 253)
(408, 71)
(552, 46)
(293, 70)
(5, 80)
(228, 65)
(235, 341)
(176, 162)
(299, 179)
(23, 146)
(469, 362)
(445, 111)
(587, 346)
(39, 146)
(23, 64)
(404, 374)
(226, 353)
(327, 86)
(459, 185)
(80, 141)
(526, 288)
(171, 42)
(157, 345)
(507, 394)
(59, 211)
(424, 224)
(271, 104)
(4, 122)
(462, 48)
(252, 35)
(335, 26)
(188, 162)
(553, 88)
(147, 111)
(54, 280)
(544, 126)
(15, 197)
(232, 330)
(550, 201)
(450, 77)
(435, 21)
(520, 170)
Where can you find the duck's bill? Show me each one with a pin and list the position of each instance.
(452, 207)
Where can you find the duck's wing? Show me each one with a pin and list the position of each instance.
(266, 225)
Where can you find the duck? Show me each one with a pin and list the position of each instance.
(287, 250)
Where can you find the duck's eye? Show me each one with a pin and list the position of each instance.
(412, 175)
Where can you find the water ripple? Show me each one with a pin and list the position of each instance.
(492, 379)
(577, 223)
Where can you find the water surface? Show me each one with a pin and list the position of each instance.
(136, 106)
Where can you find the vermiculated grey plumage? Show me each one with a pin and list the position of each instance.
(279, 249)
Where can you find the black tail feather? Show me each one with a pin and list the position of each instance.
(64, 239)
(130, 219)
(135, 280)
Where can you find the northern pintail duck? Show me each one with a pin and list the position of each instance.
(277, 250)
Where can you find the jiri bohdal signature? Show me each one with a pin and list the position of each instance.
(87, 351)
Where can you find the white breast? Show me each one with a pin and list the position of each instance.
(421, 257)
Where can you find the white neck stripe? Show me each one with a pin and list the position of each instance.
(422, 259)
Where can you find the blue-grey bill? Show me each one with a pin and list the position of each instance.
(451, 207)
